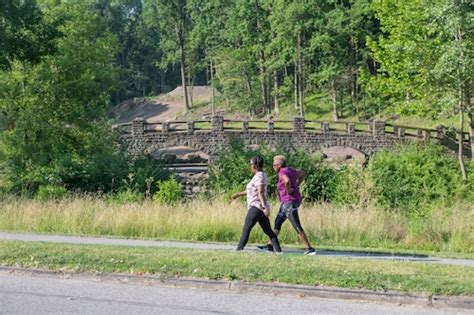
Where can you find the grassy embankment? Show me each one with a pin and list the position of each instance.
(448, 232)
(291, 269)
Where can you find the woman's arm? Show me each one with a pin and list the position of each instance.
(238, 194)
(300, 175)
(286, 182)
(261, 197)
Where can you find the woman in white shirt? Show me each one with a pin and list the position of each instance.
(258, 206)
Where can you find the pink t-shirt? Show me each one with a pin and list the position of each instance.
(260, 178)
(295, 195)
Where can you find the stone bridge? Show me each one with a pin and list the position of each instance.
(210, 136)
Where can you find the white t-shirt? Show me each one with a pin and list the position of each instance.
(260, 178)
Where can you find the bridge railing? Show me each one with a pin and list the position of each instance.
(376, 128)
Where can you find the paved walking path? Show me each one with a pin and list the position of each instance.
(211, 246)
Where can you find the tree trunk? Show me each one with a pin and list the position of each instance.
(295, 86)
(162, 81)
(276, 89)
(213, 103)
(10, 122)
(470, 124)
(183, 74)
(460, 146)
(333, 93)
(263, 85)
(300, 74)
(458, 38)
(354, 75)
(191, 91)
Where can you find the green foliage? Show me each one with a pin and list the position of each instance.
(127, 195)
(417, 175)
(318, 183)
(24, 33)
(145, 171)
(169, 191)
(231, 171)
(47, 192)
(351, 186)
(424, 54)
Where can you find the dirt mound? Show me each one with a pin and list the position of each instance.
(165, 107)
(198, 93)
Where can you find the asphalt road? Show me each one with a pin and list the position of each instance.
(151, 243)
(50, 294)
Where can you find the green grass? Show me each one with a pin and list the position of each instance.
(446, 233)
(243, 266)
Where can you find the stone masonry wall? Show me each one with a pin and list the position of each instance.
(211, 141)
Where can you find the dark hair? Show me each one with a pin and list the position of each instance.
(257, 161)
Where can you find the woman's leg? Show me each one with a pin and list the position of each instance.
(250, 221)
(267, 229)
(295, 222)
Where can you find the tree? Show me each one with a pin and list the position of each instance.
(174, 24)
(426, 58)
(59, 106)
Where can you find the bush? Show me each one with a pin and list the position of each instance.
(318, 184)
(231, 171)
(126, 196)
(417, 175)
(169, 191)
(48, 192)
(351, 186)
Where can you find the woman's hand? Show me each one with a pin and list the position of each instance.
(266, 212)
(237, 195)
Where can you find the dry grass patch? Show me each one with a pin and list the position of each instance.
(217, 220)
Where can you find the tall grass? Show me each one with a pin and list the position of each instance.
(446, 229)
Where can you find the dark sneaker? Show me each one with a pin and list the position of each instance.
(267, 247)
(310, 251)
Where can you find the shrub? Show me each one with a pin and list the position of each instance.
(169, 191)
(47, 192)
(416, 175)
(351, 186)
(231, 171)
(126, 196)
(319, 181)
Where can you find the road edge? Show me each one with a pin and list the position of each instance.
(280, 289)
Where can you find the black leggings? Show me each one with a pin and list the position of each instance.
(255, 215)
(289, 211)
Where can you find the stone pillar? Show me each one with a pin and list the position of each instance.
(245, 126)
(395, 130)
(271, 126)
(298, 124)
(401, 133)
(165, 127)
(350, 128)
(217, 123)
(190, 129)
(419, 133)
(378, 129)
(440, 132)
(138, 127)
(325, 127)
(426, 135)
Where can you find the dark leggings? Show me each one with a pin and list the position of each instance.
(255, 215)
(289, 211)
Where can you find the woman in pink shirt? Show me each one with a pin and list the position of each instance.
(289, 180)
(258, 206)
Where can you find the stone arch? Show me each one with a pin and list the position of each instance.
(344, 155)
(179, 153)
